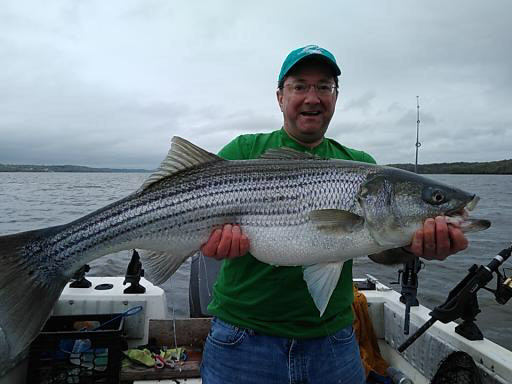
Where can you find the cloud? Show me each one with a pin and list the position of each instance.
(109, 83)
(363, 102)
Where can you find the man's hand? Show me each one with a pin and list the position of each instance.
(226, 243)
(437, 240)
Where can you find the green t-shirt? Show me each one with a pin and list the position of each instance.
(275, 300)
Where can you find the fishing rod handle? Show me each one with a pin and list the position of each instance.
(416, 335)
(499, 259)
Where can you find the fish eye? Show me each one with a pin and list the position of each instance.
(434, 196)
(437, 197)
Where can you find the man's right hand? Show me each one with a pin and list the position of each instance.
(226, 243)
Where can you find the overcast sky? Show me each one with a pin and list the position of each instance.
(108, 83)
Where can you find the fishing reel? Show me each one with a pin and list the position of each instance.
(462, 301)
(503, 291)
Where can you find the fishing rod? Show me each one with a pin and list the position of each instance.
(462, 301)
(409, 273)
(418, 144)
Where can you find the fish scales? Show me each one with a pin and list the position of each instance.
(295, 209)
(259, 195)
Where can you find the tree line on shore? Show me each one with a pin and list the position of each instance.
(502, 167)
(63, 168)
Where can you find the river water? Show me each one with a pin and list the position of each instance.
(36, 200)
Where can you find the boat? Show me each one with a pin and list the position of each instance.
(150, 322)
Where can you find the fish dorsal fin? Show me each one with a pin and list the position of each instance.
(284, 153)
(182, 155)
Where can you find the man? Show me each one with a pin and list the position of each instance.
(266, 327)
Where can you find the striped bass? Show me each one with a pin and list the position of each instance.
(296, 209)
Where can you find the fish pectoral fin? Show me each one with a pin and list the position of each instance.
(334, 221)
(160, 265)
(321, 280)
(182, 155)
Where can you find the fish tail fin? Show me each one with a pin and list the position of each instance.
(26, 296)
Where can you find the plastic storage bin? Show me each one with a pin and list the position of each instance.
(69, 350)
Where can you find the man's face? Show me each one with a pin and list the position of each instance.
(307, 116)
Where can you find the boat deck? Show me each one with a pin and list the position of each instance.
(419, 362)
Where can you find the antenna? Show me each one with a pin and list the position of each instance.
(418, 144)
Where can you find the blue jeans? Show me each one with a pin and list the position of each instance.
(234, 355)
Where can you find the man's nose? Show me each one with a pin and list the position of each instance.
(311, 95)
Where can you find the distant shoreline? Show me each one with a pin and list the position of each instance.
(502, 167)
(66, 168)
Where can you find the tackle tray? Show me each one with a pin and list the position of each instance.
(63, 354)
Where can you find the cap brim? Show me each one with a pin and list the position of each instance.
(325, 59)
(315, 56)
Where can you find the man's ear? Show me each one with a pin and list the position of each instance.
(279, 95)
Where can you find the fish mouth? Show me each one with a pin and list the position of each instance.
(460, 218)
(463, 211)
(472, 204)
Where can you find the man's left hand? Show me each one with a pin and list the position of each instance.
(437, 240)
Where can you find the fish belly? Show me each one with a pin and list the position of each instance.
(306, 245)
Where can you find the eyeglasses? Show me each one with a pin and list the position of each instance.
(322, 89)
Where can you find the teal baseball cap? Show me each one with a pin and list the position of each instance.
(305, 52)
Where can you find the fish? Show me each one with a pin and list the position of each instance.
(297, 210)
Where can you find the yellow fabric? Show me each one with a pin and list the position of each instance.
(146, 357)
(173, 353)
(369, 349)
(142, 356)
